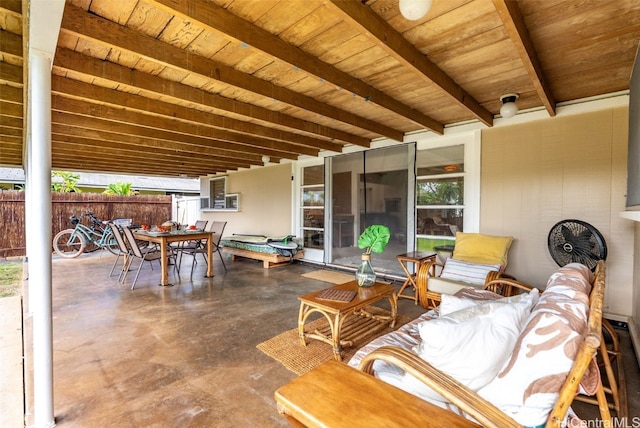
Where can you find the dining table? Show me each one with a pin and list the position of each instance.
(165, 239)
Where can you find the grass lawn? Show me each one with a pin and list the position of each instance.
(10, 276)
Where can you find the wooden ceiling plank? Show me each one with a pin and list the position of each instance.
(174, 112)
(157, 127)
(14, 6)
(516, 28)
(108, 33)
(10, 131)
(11, 122)
(10, 43)
(11, 109)
(10, 73)
(397, 46)
(11, 94)
(69, 60)
(227, 24)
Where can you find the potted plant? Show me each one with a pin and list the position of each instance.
(374, 239)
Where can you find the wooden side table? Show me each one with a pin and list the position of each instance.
(336, 395)
(415, 257)
(349, 322)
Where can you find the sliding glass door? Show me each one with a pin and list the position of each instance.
(368, 188)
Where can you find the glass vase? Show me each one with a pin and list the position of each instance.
(365, 276)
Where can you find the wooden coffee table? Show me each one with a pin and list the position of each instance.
(349, 322)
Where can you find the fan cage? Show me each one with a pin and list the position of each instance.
(571, 241)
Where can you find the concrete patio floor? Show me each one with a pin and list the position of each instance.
(184, 356)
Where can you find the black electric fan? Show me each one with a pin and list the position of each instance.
(572, 241)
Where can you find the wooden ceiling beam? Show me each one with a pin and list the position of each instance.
(66, 59)
(99, 149)
(215, 148)
(85, 25)
(84, 163)
(173, 112)
(397, 46)
(515, 27)
(133, 123)
(87, 143)
(219, 20)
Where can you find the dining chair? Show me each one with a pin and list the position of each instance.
(138, 253)
(124, 250)
(217, 227)
(178, 248)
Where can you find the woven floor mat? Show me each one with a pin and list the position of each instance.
(287, 349)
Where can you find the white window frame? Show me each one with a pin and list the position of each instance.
(471, 139)
(228, 202)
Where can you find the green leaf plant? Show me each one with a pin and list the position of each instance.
(374, 238)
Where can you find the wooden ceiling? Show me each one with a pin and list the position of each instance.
(177, 87)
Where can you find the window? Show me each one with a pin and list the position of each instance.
(218, 198)
(313, 206)
(439, 196)
(217, 190)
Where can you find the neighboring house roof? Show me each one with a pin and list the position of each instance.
(167, 184)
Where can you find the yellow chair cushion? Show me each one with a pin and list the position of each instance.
(480, 248)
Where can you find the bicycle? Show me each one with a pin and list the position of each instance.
(70, 243)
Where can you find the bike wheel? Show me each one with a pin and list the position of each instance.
(68, 243)
(111, 244)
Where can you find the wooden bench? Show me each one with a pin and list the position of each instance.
(269, 260)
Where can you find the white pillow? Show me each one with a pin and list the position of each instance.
(472, 273)
(472, 344)
(451, 303)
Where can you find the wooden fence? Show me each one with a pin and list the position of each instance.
(142, 209)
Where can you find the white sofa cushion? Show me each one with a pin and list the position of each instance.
(471, 344)
(458, 302)
(528, 384)
(472, 273)
(448, 286)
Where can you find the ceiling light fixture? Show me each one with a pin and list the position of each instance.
(265, 159)
(414, 9)
(509, 107)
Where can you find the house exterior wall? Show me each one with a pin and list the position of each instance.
(534, 173)
(537, 173)
(265, 201)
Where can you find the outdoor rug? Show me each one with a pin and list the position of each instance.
(287, 349)
(330, 276)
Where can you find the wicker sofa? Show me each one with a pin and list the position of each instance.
(542, 359)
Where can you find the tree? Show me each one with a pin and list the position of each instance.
(64, 181)
(120, 188)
